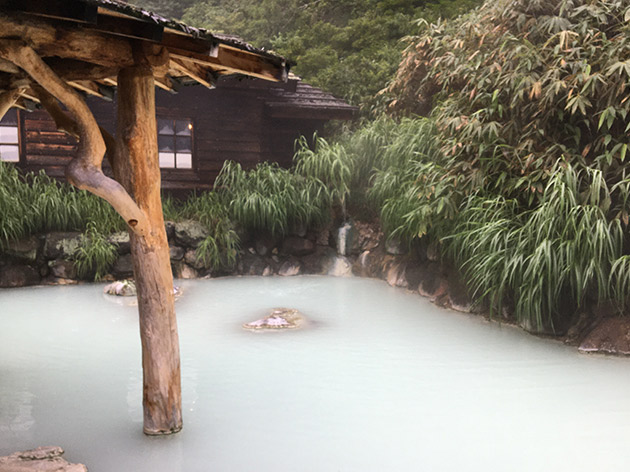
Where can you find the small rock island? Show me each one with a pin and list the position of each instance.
(278, 319)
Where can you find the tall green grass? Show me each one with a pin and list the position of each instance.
(220, 248)
(546, 261)
(271, 199)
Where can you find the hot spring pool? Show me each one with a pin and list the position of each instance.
(381, 381)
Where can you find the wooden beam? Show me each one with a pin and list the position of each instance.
(255, 65)
(194, 71)
(166, 83)
(72, 10)
(137, 167)
(56, 39)
(71, 69)
(93, 88)
(128, 27)
(110, 81)
(197, 45)
(30, 95)
(229, 61)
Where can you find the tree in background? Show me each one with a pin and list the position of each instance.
(351, 48)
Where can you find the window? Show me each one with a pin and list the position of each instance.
(9, 137)
(175, 143)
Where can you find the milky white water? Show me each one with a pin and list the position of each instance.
(381, 381)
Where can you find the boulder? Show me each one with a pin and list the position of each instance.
(320, 261)
(296, 246)
(176, 253)
(191, 258)
(169, 227)
(24, 249)
(123, 267)
(610, 336)
(251, 264)
(61, 245)
(435, 288)
(367, 237)
(458, 296)
(63, 269)
(290, 267)
(396, 276)
(187, 272)
(433, 251)
(190, 233)
(121, 241)
(299, 230)
(394, 247)
(340, 267)
(264, 245)
(18, 275)
(42, 459)
(323, 237)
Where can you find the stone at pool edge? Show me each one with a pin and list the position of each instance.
(279, 319)
(42, 459)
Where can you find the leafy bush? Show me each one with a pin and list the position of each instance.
(95, 254)
(269, 198)
(530, 101)
(220, 247)
(34, 203)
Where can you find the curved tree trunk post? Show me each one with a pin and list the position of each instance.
(136, 167)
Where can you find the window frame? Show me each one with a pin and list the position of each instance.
(18, 126)
(174, 118)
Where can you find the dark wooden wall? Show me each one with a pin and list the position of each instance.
(229, 123)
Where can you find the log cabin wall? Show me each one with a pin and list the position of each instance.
(232, 122)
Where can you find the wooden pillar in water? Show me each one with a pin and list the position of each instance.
(137, 168)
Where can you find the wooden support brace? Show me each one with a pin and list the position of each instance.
(84, 171)
(193, 71)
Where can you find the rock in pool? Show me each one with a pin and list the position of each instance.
(278, 319)
(121, 288)
(127, 288)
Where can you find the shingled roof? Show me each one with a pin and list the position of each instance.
(86, 42)
(297, 99)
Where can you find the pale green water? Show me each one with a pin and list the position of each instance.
(383, 381)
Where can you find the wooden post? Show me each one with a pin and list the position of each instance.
(136, 167)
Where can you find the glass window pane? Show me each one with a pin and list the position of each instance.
(184, 161)
(167, 159)
(166, 143)
(10, 118)
(165, 126)
(8, 134)
(183, 127)
(10, 153)
(183, 144)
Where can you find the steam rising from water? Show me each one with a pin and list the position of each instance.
(381, 381)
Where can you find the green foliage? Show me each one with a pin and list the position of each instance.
(546, 260)
(95, 255)
(329, 165)
(269, 198)
(220, 247)
(530, 103)
(348, 47)
(35, 203)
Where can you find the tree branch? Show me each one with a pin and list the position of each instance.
(84, 171)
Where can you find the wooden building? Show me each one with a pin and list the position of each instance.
(247, 120)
